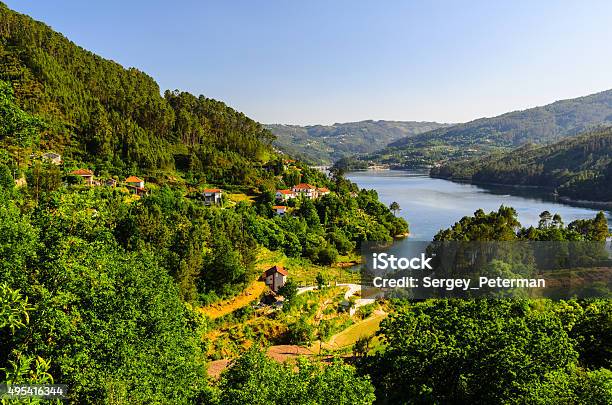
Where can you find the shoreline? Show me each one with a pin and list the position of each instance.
(607, 205)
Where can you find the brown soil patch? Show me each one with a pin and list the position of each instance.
(252, 292)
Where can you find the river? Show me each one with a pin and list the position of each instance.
(432, 204)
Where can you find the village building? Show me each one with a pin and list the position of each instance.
(212, 196)
(85, 174)
(279, 210)
(275, 277)
(284, 195)
(110, 182)
(135, 182)
(306, 190)
(136, 185)
(53, 158)
(323, 191)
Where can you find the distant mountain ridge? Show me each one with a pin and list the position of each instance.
(540, 125)
(324, 144)
(579, 167)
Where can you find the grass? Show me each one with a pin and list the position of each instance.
(303, 272)
(350, 335)
(240, 197)
(251, 293)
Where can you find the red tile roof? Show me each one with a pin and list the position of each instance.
(324, 190)
(211, 190)
(133, 179)
(284, 191)
(82, 172)
(276, 269)
(279, 207)
(303, 186)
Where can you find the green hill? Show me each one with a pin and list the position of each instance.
(324, 144)
(541, 125)
(96, 111)
(579, 167)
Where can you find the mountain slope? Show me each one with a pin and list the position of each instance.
(329, 143)
(579, 167)
(96, 111)
(540, 125)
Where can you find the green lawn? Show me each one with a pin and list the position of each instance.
(350, 335)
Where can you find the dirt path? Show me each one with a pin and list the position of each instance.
(217, 310)
(280, 353)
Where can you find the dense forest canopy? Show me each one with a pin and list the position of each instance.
(96, 111)
(579, 167)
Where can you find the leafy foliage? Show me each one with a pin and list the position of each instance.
(96, 111)
(482, 351)
(255, 379)
(579, 168)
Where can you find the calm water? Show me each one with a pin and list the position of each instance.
(433, 204)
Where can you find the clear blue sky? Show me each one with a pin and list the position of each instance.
(325, 61)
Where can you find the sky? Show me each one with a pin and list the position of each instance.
(322, 61)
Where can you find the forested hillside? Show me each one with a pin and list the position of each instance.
(109, 285)
(540, 125)
(96, 111)
(580, 167)
(102, 280)
(325, 144)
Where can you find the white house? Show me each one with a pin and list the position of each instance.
(323, 191)
(284, 195)
(275, 277)
(135, 182)
(212, 196)
(85, 174)
(279, 210)
(306, 190)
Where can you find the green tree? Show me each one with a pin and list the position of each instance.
(300, 332)
(459, 351)
(289, 290)
(395, 207)
(321, 282)
(6, 178)
(256, 379)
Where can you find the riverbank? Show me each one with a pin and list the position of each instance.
(549, 191)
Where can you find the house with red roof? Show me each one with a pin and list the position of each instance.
(275, 277)
(212, 196)
(323, 191)
(279, 210)
(305, 190)
(134, 181)
(136, 185)
(86, 174)
(284, 195)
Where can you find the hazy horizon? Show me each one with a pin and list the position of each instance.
(347, 61)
